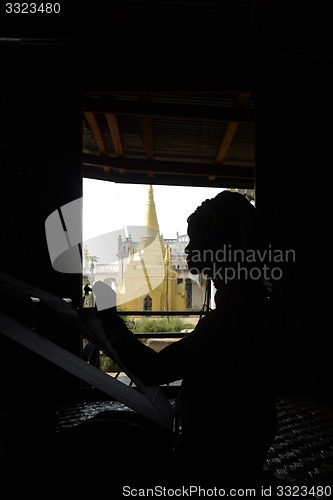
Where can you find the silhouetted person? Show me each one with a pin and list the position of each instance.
(225, 407)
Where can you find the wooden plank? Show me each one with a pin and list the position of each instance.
(226, 142)
(83, 370)
(96, 132)
(175, 168)
(230, 133)
(163, 110)
(93, 172)
(115, 133)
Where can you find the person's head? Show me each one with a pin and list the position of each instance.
(221, 231)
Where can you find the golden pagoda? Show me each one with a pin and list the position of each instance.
(149, 280)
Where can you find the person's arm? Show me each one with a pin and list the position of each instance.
(153, 368)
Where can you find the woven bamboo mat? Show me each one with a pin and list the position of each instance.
(302, 450)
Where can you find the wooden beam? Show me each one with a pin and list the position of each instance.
(170, 110)
(96, 132)
(92, 172)
(115, 134)
(226, 142)
(172, 168)
(232, 127)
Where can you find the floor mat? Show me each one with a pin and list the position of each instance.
(303, 448)
(302, 451)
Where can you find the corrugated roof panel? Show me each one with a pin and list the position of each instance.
(187, 139)
(131, 129)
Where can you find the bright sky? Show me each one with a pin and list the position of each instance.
(109, 206)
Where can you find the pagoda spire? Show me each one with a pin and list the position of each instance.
(152, 230)
(151, 221)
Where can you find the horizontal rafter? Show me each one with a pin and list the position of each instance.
(163, 110)
(174, 168)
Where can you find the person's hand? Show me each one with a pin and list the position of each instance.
(106, 297)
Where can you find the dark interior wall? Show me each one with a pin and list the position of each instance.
(293, 182)
(40, 167)
(40, 156)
